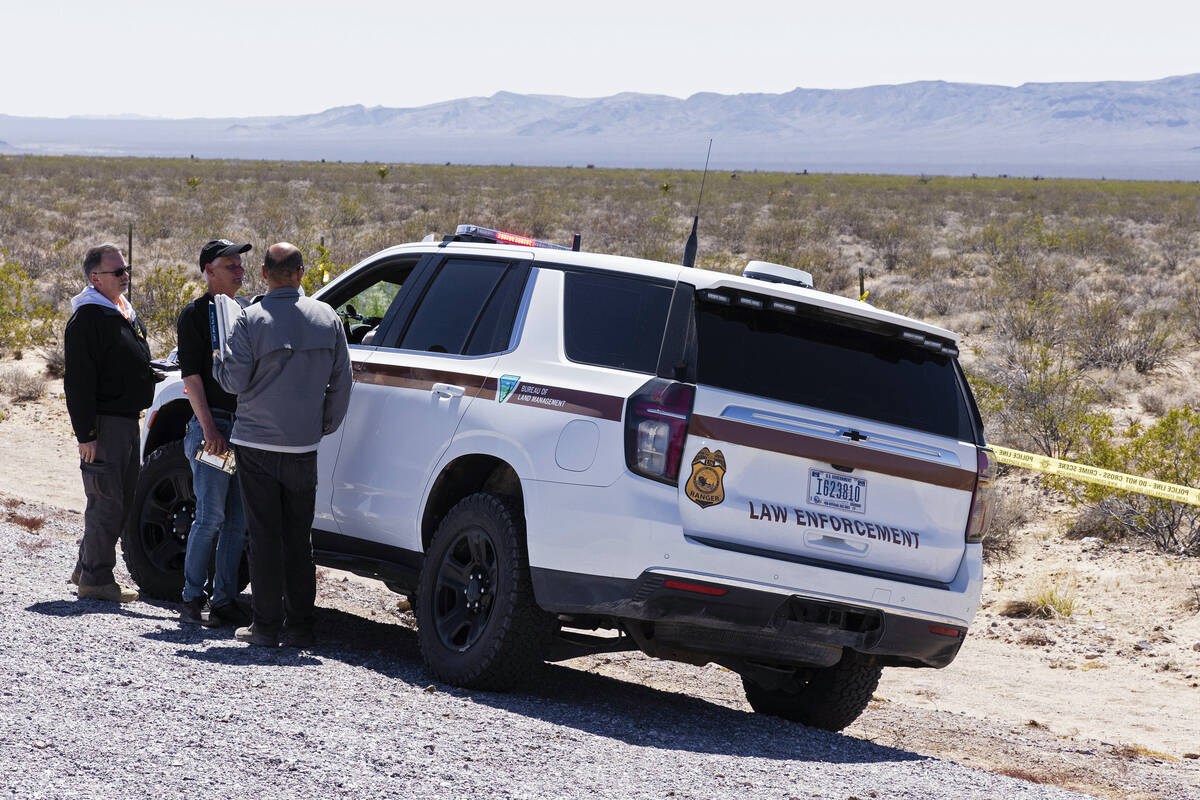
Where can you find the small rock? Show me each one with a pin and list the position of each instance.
(40, 745)
(430, 689)
(1196, 646)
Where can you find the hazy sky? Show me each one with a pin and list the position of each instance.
(227, 58)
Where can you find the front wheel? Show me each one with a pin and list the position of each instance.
(820, 697)
(477, 622)
(155, 538)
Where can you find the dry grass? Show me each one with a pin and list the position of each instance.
(1052, 597)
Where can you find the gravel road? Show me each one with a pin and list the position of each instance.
(101, 701)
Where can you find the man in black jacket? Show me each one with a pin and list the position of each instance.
(108, 382)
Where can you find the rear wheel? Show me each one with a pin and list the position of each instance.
(820, 697)
(477, 622)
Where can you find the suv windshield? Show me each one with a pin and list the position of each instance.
(810, 359)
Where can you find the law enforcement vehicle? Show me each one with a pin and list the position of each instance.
(555, 452)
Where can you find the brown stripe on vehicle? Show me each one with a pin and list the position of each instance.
(405, 377)
(560, 398)
(841, 453)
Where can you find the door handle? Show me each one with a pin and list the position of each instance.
(448, 390)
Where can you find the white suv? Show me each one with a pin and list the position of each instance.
(557, 452)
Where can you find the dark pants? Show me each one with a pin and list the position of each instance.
(108, 484)
(279, 494)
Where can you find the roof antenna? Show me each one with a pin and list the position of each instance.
(689, 249)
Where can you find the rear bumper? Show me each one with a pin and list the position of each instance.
(747, 624)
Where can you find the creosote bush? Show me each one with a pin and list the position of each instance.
(159, 295)
(26, 320)
(1168, 451)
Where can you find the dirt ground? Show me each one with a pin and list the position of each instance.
(1106, 700)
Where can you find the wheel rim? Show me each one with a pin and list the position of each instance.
(464, 594)
(166, 518)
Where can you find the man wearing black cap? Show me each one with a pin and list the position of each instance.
(220, 519)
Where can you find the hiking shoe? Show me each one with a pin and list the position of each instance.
(112, 592)
(251, 636)
(227, 615)
(191, 612)
(302, 639)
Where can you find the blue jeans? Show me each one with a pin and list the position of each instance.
(220, 520)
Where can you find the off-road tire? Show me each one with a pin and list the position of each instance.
(477, 623)
(821, 697)
(155, 539)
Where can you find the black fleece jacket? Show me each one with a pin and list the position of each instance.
(107, 368)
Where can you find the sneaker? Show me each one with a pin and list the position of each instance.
(227, 615)
(112, 592)
(251, 636)
(191, 612)
(302, 639)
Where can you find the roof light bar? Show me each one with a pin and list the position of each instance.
(503, 237)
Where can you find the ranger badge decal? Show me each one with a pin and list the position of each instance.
(704, 487)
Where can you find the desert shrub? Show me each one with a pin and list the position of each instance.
(1152, 402)
(1151, 341)
(56, 361)
(1092, 521)
(161, 293)
(1000, 543)
(895, 241)
(21, 386)
(1174, 245)
(1097, 333)
(322, 270)
(1169, 451)
(1105, 334)
(26, 320)
(1038, 397)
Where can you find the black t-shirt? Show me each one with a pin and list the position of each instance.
(195, 352)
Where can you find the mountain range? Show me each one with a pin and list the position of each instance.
(1115, 129)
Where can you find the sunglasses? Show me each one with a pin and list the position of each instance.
(117, 272)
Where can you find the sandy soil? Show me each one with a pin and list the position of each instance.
(1113, 687)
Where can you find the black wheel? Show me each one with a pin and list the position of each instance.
(820, 697)
(155, 539)
(477, 622)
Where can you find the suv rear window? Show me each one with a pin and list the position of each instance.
(811, 359)
(614, 321)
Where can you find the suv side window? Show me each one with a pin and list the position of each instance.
(468, 308)
(614, 321)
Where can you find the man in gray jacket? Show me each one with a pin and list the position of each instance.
(288, 363)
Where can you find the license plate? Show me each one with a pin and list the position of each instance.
(832, 490)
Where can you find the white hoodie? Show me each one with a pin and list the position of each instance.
(91, 296)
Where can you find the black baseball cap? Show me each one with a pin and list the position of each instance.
(221, 247)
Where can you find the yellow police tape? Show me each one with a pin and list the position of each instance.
(1104, 477)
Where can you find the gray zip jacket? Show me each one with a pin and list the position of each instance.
(289, 365)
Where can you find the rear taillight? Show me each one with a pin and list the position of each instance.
(656, 421)
(983, 502)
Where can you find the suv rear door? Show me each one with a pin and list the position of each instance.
(818, 437)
